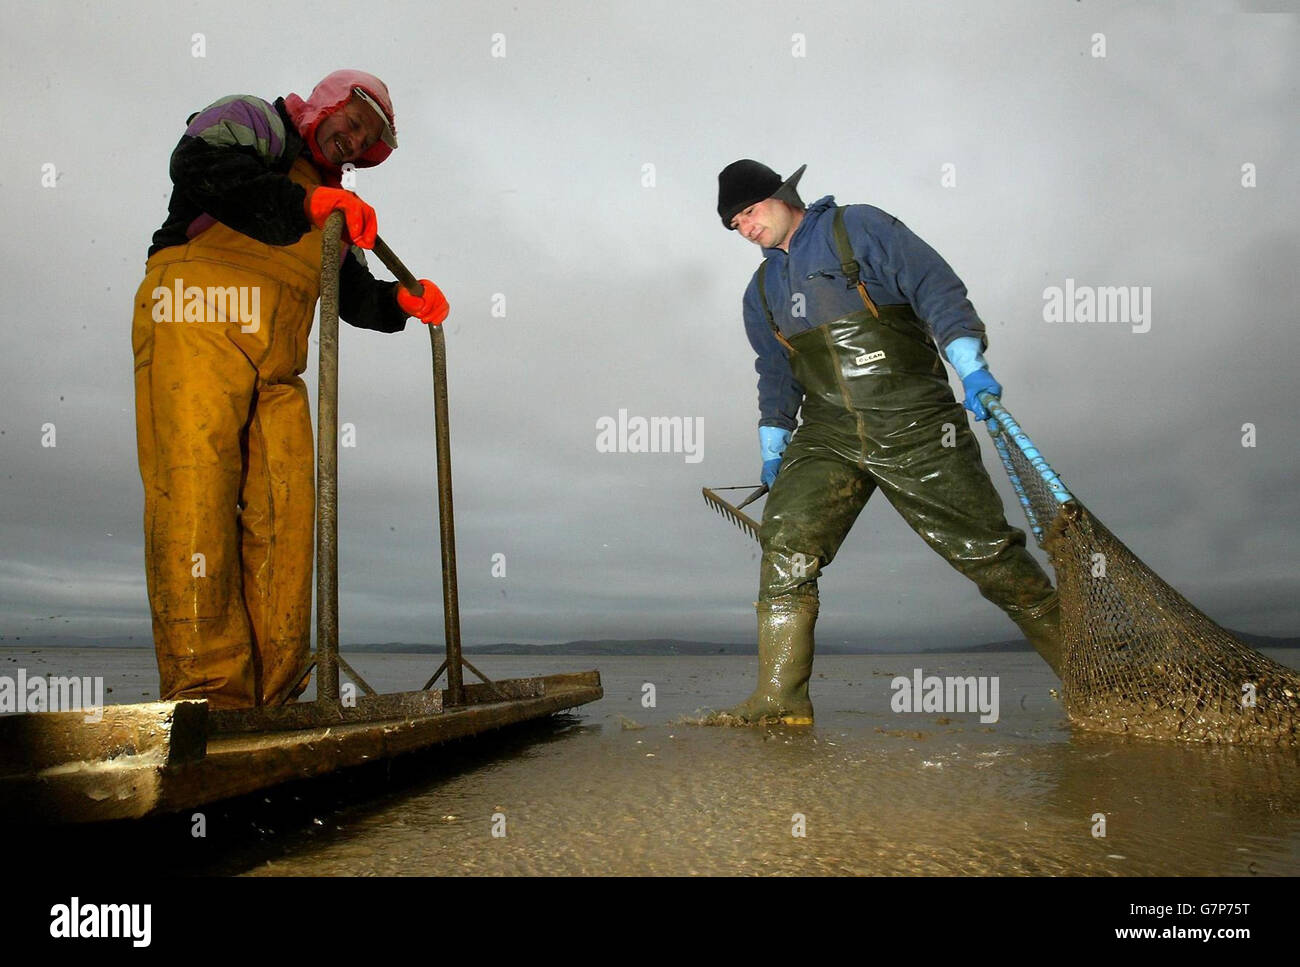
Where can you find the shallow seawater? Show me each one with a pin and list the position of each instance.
(617, 787)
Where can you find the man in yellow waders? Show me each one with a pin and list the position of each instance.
(222, 418)
(844, 315)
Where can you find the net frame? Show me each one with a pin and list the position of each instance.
(1138, 658)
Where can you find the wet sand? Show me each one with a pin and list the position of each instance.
(619, 788)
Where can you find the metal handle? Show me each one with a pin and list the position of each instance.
(409, 282)
(446, 517)
(327, 468)
(1008, 425)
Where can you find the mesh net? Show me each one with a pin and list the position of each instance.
(1138, 657)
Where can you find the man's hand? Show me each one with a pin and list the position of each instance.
(362, 223)
(980, 381)
(431, 308)
(772, 441)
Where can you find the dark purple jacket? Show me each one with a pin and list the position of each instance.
(232, 166)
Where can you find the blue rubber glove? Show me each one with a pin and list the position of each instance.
(772, 441)
(980, 381)
(967, 357)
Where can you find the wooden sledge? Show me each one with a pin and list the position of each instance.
(141, 760)
(160, 757)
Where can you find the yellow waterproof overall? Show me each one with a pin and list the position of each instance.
(223, 428)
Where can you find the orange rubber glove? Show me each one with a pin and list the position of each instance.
(362, 223)
(431, 308)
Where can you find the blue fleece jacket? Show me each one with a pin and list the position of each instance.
(896, 266)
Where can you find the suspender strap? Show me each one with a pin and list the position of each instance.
(849, 264)
(767, 308)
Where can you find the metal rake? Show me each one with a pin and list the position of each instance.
(733, 511)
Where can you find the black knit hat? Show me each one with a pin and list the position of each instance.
(743, 183)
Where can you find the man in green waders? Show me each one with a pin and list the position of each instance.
(846, 315)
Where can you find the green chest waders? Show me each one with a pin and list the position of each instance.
(877, 413)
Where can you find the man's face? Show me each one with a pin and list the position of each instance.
(349, 132)
(767, 223)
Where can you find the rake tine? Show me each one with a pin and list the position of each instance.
(733, 514)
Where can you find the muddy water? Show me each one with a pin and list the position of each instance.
(623, 788)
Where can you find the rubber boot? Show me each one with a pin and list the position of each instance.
(785, 656)
(1042, 626)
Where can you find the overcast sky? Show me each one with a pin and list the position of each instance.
(525, 175)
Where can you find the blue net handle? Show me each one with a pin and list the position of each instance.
(1006, 433)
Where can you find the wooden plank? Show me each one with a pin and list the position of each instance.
(79, 792)
(242, 763)
(168, 731)
(509, 688)
(142, 783)
(305, 715)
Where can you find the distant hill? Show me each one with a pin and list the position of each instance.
(72, 641)
(605, 646)
(621, 646)
(1011, 644)
(611, 646)
(1020, 644)
(1266, 641)
(615, 646)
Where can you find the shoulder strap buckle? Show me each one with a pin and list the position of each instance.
(849, 263)
(767, 308)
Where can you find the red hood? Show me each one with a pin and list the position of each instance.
(326, 98)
